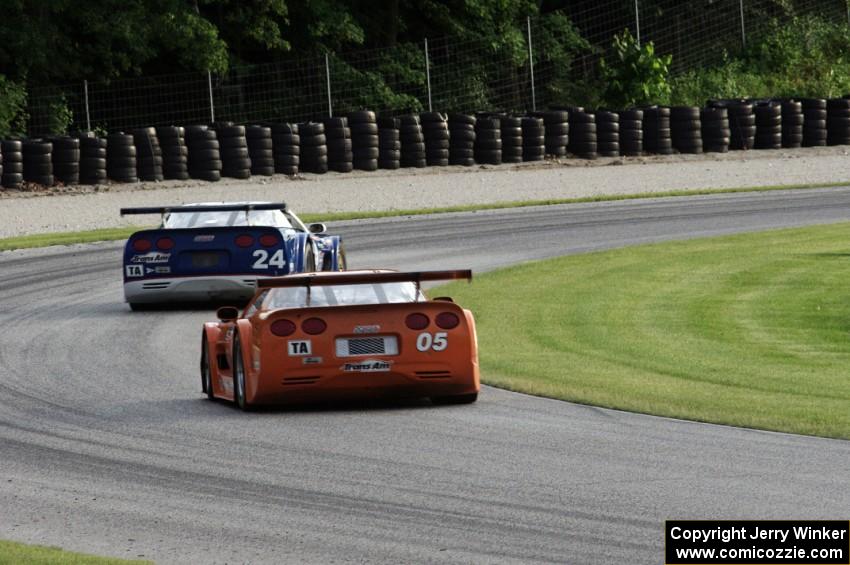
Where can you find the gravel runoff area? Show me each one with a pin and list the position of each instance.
(83, 208)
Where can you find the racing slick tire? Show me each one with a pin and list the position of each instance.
(453, 400)
(239, 377)
(206, 373)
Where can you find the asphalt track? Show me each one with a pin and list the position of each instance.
(107, 445)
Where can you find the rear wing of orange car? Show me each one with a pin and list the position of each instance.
(417, 277)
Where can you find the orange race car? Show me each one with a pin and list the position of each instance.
(345, 335)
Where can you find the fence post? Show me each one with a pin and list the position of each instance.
(428, 75)
(637, 23)
(531, 65)
(212, 104)
(328, 78)
(743, 30)
(86, 98)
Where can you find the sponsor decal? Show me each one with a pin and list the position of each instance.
(297, 348)
(206, 238)
(162, 270)
(134, 270)
(311, 360)
(373, 329)
(152, 257)
(367, 366)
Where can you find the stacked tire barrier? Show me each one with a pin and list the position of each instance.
(533, 139)
(175, 154)
(389, 143)
(233, 146)
(92, 160)
(204, 153)
(607, 133)
(338, 139)
(13, 163)
(768, 125)
(412, 142)
(557, 131)
(510, 128)
(38, 161)
(814, 122)
(148, 154)
(631, 132)
(121, 158)
(435, 130)
(462, 139)
(686, 129)
(314, 148)
(66, 160)
(287, 148)
(364, 138)
(488, 140)
(715, 130)
(792, 123)
(583, 135)
(260, 150)
(838, 121)
(742, 123)
(656, 130)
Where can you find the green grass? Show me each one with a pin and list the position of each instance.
(110, 234)
(750, 330)
(12, 553)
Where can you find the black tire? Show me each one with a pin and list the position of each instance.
(454, 400)
(206, 373)
(239, 385)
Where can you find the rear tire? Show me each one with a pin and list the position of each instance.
(239, 377)
(140, 307)
(456, 399)
(206, 373)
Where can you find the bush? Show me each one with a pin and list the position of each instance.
(806, 57)
(635, 75)
(13, 108)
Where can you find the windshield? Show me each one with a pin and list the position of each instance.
(272, 218)
(343, 295)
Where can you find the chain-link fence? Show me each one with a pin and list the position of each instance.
(446, 74)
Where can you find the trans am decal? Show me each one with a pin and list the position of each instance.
(367, 366)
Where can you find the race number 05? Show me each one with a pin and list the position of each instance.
(438, 342)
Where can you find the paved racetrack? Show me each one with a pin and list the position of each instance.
(107, 445)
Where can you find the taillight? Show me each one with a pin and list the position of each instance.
(314, 326)
(282, 328)
(244, 240)
(269, 240)
(165, 243)
(141, 245)
(417, 321)
(447, 320)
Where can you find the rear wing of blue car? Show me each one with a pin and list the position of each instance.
(247, 207)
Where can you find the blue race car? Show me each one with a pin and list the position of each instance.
(216, 251)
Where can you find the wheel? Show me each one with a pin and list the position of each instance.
(327, 260)
(309, 259)
(206, 373)
(239, 377)
(456, 399)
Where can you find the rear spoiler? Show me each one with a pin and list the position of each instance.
(204, 208)
(363, 278)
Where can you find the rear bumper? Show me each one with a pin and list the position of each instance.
(409, 381)
(189, 289)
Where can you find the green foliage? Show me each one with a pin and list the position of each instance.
(13, 108)
(806, 56)
(636, 74)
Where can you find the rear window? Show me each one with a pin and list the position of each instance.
(272, 218)
(343, 295)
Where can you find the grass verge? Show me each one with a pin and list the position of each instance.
(110, 234)
(12, 553)
(751, 330)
